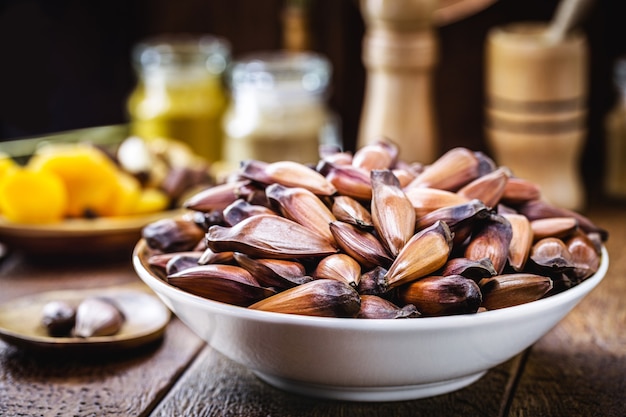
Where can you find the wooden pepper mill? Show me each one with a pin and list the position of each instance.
(399, 53)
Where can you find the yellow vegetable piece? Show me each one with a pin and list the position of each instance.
(6, 164)
(125, 198)
(89, 175)
(32, 197)
(152, 200)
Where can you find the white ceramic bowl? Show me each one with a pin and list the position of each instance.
(367, 360)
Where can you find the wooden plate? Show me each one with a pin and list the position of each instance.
(100, 236)
(146, 320)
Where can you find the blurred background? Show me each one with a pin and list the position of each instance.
(65, 64)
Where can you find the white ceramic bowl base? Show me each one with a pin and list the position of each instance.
(367, 360)
(371, 394)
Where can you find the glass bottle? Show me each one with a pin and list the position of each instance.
(180, 92)
(278, 109)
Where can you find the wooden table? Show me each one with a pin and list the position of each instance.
(577, 369)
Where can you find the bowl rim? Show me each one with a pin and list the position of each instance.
(455, 321)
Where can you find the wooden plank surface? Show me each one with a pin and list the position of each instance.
(121, 384)
(22, 275)
(125, 384)
(579, 368)
(216, 386)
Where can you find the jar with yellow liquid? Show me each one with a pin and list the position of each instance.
(278, 109)
(180, 93)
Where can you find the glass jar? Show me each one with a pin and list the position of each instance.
(615, 127)
(180, 92)
(278, 109)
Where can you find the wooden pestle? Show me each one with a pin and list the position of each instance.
(399, 53)
(567, 16)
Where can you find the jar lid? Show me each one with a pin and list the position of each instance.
(286, 72)
(180, 51)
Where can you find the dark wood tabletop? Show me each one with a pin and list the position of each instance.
(577, 369)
